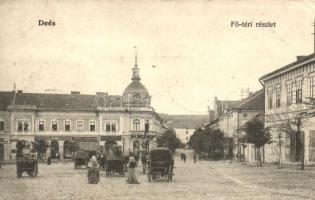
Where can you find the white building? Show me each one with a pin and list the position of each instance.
(94, 122)
(288, 92)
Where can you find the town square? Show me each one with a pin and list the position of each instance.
(157, 100)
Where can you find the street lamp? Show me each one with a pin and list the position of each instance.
(146, 130)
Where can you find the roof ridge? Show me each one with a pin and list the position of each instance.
(248, 98)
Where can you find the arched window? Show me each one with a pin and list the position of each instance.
(107, 126)
(26, 127)
(20, 126)
(136, 125)
(113, 127)
(1, 125)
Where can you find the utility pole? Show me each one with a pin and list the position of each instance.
(314, 33)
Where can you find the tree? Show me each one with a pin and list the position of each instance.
(290, 123)
(169, 140)
(209, 143)
(40, 145)
(257, 135)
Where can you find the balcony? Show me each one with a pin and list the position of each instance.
(141, 133)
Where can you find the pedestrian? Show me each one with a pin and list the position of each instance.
(93, 173)
(132, 179)
(195, 158)
(49, 160)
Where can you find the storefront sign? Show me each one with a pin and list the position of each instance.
(111, 138)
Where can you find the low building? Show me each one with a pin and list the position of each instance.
(231, 118)
(289, 94)
(94, 122)
(185, 125)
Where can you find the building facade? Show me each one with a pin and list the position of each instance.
(230, 119)
(91, 121)
(289, 94)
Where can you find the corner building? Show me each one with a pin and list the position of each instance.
(93, 122)
(290, 93)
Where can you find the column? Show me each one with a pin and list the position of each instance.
(61, 143)
(48, 152)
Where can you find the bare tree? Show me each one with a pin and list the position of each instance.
(289, 123)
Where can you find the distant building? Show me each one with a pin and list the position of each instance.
(232, 115)
(94, 122)
(289, 91)
(185, 125)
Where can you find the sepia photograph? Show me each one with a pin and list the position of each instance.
(162, 100)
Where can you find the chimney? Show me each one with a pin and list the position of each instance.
(300, 57)
(20, 91)
(75, 92)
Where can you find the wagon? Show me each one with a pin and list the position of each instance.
(115, 161)
(25, 160)
(160, 164)
(80, 158)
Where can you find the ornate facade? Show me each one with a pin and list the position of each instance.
(91, 121)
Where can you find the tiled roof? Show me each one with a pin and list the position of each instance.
(57, 101)
(301, 60)
(185, 121)
(223, 105)
(6, 99)
(255, 101)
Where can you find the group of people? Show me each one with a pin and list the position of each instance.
(183, 157)
(132, 179)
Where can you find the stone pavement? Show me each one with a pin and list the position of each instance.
(202, 180)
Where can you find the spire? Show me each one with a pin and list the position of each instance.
(136, 58)
(135, 70)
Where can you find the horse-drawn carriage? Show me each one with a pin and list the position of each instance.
(80, 158)
(25, 160)
(115, 161)
(160, 164)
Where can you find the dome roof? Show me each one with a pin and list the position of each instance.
(135, 87)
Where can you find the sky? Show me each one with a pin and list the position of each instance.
(188, 53)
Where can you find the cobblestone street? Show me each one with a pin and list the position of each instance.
(202, 180)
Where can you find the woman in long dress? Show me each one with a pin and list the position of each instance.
(132, 179)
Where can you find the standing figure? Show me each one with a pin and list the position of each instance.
(132, 179)
(94, 173)
(49, 160)
(195, 158)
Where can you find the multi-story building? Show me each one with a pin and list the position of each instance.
(231, 119)
(288, 92)
(91, 121)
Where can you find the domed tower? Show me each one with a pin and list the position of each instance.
(135, 94)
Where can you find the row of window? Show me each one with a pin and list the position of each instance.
(24, 126)
(108, 126)
(294, 93)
